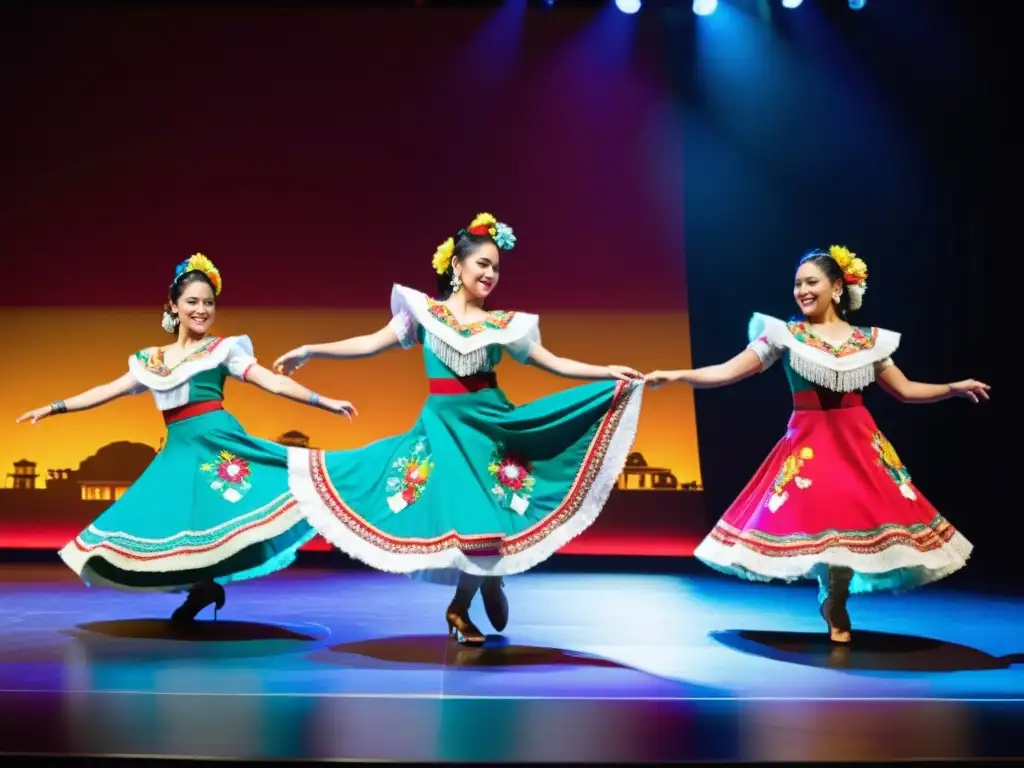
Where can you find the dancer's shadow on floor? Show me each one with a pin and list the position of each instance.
(434, 651)
(869, 651)
(192, 632)
(153, 639)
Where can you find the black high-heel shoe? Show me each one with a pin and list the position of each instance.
(198, 598)
(833, 596)
(461, 628)
(495, 602)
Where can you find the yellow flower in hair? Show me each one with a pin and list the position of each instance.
(842, 255)
(484, 220)
(200, 263)
(443, 256)
(857, 269)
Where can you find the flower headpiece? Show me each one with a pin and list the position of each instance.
(197, 262)
(855, 273)
(483, 225)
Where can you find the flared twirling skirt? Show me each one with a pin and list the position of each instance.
(213, 505)
(478, 486)
(833, 492)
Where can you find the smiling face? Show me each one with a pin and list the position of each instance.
(196, 308)
(479, 270)
(813, 290)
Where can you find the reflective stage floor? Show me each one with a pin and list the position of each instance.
(351, 664)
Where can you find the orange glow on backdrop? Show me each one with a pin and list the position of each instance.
(137, 167)
(54, 353)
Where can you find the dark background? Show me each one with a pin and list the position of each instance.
(889, 131)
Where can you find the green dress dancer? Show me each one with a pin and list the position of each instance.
(479, 488)
(214, 505)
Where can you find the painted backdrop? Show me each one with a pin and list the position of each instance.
(318, 156)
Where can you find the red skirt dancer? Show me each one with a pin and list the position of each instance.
(833, 493)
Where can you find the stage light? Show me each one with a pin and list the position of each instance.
(704, 7)
(791, 3)
(628, 6)
(856, 5)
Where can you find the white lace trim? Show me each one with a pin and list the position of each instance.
(77, 560)
(477, 361)
(739, 560)
(839, 374)
(338, 534)
(236, 351)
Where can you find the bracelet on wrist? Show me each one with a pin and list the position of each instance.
(58, 407)
(314, 399)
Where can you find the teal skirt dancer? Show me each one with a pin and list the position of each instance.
(214, 506)
(479, 488)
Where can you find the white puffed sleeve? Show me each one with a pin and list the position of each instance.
(886, 344)
(520, 347)
(403, 321)
(240, 357)
(137, 386)
(760, 332)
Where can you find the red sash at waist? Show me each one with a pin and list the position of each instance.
(464, 385)
(189, 410)
(825, 400)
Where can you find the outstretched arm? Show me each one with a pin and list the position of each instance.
(92, 398)
(573, 369)
(895, 382)
(358, 346)
(742, 366)
(281, 385)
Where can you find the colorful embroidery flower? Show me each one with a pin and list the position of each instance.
(890, 461)
(232, 475)
(233, 469)
(495, 321)
(857, 341)
(409, 477)
(790, 473)
(154, 361)
(514, 479)
(512, 472)
(416, 473)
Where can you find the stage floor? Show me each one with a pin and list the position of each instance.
(353, 664)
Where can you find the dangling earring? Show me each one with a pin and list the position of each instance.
(169, 322)
(836, 297)
(456, 282)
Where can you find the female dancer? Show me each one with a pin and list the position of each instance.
(478, 488)
(214, 504)
(832, 501)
